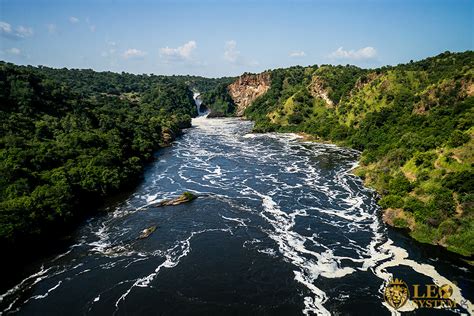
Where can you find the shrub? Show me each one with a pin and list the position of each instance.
(400, 222)
(463, 242)
(443, 201)
(295, 118)
(459, 181)
(413, 205)
(398, 156)
(391, 201)
(423, 176)
(458, 138)
(424, 233)
(424, 159)
(399, 185)
(466, 198)
(447, 227)
(189, 196)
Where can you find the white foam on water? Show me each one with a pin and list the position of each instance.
(38, 297)
(172, 259)
(238, 220)
(268, 251)
(251, 242)
(29, 283)
(313, 304)
(34, 278)
(377, 256)
(250, 135)
(400, 258)
(294, 174)
(151, 198)
(292, 246)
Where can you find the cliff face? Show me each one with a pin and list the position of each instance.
(248, 88)
(318, 90)
(412, 122)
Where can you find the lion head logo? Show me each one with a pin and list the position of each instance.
(396, 293)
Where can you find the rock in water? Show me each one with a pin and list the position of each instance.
(183, 198)
(147, 232)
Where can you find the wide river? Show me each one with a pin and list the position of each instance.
(280, 227)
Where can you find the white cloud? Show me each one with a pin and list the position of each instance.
(233, 55)
(23, 32)
(365, 53)
(297, 54)
(51, 28)
(91, 26)
(133, 53)
(20, 32)
(13, 52)
(110, 50)
(5, 28)
(109, 53)
(183, 52)
(73, 19)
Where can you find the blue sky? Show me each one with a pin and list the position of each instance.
(220, 38)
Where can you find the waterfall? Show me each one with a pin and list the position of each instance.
(198, 102)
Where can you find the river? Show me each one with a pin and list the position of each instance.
(280, 227)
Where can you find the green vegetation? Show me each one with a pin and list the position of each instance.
(189, 196)
(413, 124)
(218, 101)
(69, 138)
(183, 198)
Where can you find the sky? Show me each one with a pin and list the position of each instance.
(226, 38)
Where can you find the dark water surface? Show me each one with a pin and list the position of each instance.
(280, 227)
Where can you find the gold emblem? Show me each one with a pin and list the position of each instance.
(396, 293)
(445, 291)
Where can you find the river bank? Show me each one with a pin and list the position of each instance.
(280, 226)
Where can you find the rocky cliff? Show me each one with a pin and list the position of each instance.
(414, 125)
(318, 89)
(247, 88)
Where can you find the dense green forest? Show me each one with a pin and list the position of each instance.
(69, 137)
(73, 136)
(413, 124)
(218, 101)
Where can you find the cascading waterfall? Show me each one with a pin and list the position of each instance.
(198, 102)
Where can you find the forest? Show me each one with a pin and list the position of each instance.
(70, 138)
(218, 101)
(413, 124)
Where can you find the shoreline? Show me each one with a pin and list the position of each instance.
(386, 214)
(32, 251)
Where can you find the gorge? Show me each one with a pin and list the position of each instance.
(412, 122)
(282, 224)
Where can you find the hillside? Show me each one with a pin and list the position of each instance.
(413, 124)
(70, 138)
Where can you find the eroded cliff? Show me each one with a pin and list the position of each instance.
(247, 88)
(318, 89)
